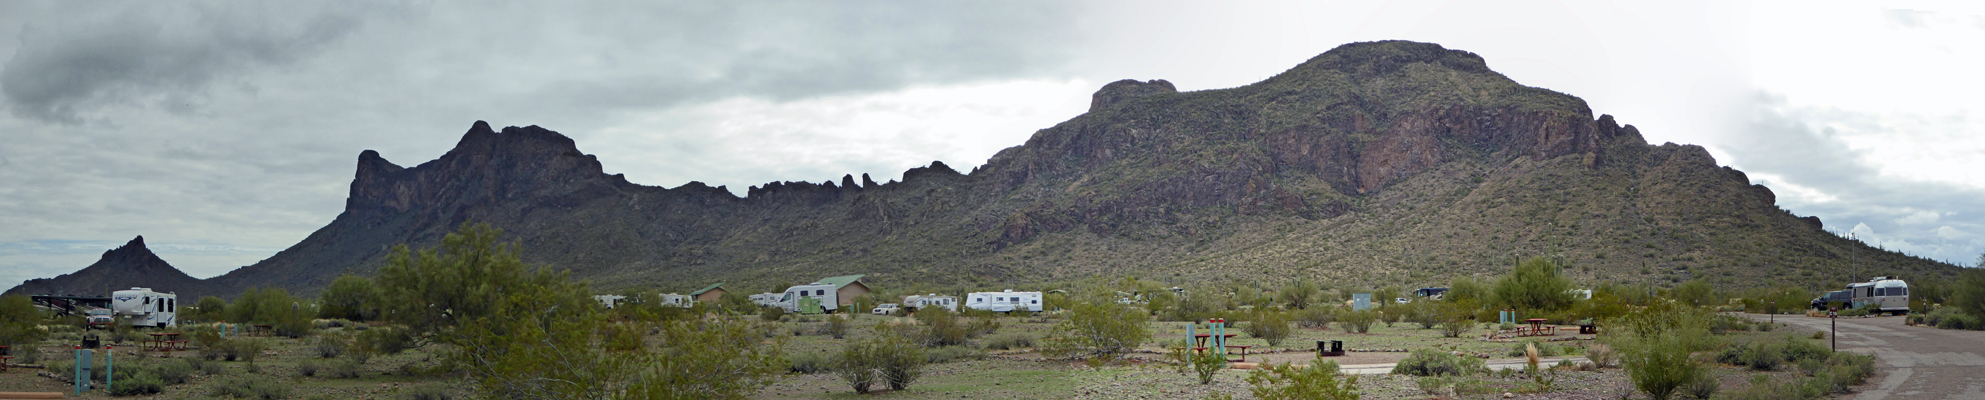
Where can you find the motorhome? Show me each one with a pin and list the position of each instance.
(765, 299)
(918, 302)
(144, 307)
(811, 299)
(1883, 294)
(1007, 301)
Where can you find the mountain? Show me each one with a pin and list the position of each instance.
(128, 266)
(1374, 163)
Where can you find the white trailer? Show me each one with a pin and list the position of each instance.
(827, 295)
(677, 300)
(1882, 294)
(144, 307)
(766, 299)
(918, 302)
(1007, 301)
(610, 300)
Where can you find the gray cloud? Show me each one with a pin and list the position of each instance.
(159, 53)
(1808, 148)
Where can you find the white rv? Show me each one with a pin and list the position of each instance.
(827, 294)
(1882, 294)
(677, 300)
(918, 302)
(1007, 301)
(610, 300)
(765, 299)
(144, 307)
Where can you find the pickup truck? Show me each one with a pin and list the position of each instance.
(1842, 296)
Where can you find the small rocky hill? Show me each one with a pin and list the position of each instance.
(1374, 163)
(127, 266)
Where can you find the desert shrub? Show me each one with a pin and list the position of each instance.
(1543, 349)
(383, 341)
(1205, 364)
(808, 363)
(328, 346)
(1270, 326)
(1797, 349)
(308, 368)
(1315, 318)
(1357, 321)
(1763, 387)
(1655, 343)
(19, 321)
(428, 392)
(1433, 362)
(1855, 312)
(1704, 387)
(344, 369)
(771, 314)
(1845, 370)
(1602, 355)
(1286, 382)
(138, 384)
(1389, 316)
(1534, 284)
(947, 354)
(837, 326)
(1100, 330)
(1957, 320)
(349, 297)
(942, 328)
(1010, 342)
(1968, 296)
(902, 362)
(208, 368)
(248, 387)
(856, 365)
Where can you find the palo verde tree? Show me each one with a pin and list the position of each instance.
(1535, 284)
(349, 297)
(20, 322)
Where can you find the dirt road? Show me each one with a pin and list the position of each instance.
(1915, 362)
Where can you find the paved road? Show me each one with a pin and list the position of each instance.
(1915, 362)
(1512, 364)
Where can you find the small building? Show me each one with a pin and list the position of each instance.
(710, 294)
(846, 288)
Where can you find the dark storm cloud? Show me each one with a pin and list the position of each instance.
(161, 53)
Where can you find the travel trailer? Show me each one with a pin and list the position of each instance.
(1007, 301)
(144, 307)
(677, 300)
(1883, 294)
(918, 302)
(765, 299)
(811, 299)
(610, 300)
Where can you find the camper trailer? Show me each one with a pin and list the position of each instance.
(610, 300)
(765, 299)
(811, 299)
(1007, 301)
(677, 300)
(918, 302)
(1883, 294)
(144, 307)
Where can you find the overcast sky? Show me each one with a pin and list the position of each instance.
(227, 131)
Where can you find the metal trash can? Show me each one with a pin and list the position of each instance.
(1329, 348)
(90, 341)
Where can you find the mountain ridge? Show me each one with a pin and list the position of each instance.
(1378, 161)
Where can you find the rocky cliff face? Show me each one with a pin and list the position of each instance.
(1373, 162)
(127, 266)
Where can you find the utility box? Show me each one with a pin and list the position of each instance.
(809, 305)
(1361, 301)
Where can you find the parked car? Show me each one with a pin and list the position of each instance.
(101, 318)
(1842, 296)
(885, 309)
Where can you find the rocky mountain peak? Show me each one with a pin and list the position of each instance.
(1119, 91)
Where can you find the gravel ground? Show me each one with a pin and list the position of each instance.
(1166, 383)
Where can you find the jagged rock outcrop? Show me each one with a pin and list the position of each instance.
(127, 266)
(1393, 162)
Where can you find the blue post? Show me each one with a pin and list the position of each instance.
(82, 369)
(109, 367)
(1190, 338)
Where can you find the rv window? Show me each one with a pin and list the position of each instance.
(822, 292)
(1881, 291)
(1901, 291)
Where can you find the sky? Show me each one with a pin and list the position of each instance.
(227, 131)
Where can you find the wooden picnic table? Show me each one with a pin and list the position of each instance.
(167, 341)
(5, 355)
(1537, 327)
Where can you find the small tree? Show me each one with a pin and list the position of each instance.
(1535, 284)
(1969, 296)
(1269, 326)
(211, 308)
(1299, 294)
(349, 297)
(1103, 330)
(19, 321)
(1288, 382)
(1655, 343)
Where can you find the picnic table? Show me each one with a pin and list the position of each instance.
(1200, 344)
(1537, 328)
(167, 341)
(4, 356)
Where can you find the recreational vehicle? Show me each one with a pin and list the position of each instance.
(918, 302)
(144, 307)
(1007, 301)
(811, 299)
(1882, 294)
(765, 299)
(610, 300)
(677, 300)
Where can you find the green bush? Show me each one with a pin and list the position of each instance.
(1543, 349)
(1319, 381)
(19, 321)
(808, 362)
(249, 387)
(857, 363)
(1704, 387)
(771, 314)
(308, 368)
(837, 326)
(1100, 330)
(383, 341)
(1010, 342)
(1535, 284)
(903, 362)
(1315, 318)
(328, 346)
(1655, 343)
(952, 353)
(1206, 364)
(1433, 362)
(1269, 326)
(1844, 370)
(1357, 321)
(1602, 355)
(344, 369)
(138, 384)
(1763, 387)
